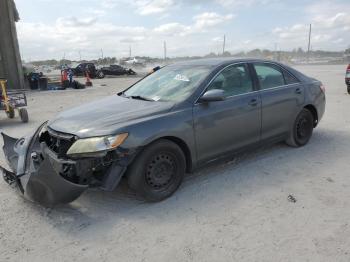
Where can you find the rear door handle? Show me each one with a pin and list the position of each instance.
(298, 91)
(253, 102)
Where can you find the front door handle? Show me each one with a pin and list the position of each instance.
(298, 91)
(253, 102)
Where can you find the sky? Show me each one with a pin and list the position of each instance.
(51, 29)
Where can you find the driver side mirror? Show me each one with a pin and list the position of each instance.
(213, 95)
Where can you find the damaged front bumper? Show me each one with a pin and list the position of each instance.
(39, 173)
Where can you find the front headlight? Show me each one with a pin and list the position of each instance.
(96, 144)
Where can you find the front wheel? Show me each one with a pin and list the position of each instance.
(349, 90)
(158, 171)
(302, 129)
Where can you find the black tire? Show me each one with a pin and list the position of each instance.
(11, 112)
(131, 72)
(100, 74)
(349, 90)
(23, 113)
(157, 172)
(302, 129)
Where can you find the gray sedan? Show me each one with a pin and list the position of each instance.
(171, 122)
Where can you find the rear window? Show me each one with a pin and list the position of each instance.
(269, 76)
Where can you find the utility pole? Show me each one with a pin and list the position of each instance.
(165, 50)
(79, 56)
(275, 53)
(102, 53)
(224, 45)
(130, 51)
(309, 45)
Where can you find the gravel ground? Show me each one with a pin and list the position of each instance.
(273, 204)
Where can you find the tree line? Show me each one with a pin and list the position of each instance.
(259, 53)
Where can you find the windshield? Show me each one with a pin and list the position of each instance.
(171, 83)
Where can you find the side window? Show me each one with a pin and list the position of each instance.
(234, 80)
(289, 78)
(269, 76)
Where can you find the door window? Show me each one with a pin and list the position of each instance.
(269, 76)
(234, 80)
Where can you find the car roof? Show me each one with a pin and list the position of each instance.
(220, 61)
(223, 61)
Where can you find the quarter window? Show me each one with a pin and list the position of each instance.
(290, 79)
(234, 80)
(269, 76)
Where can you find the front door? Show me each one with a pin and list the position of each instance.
(227, 125)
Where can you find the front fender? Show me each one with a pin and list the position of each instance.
(178, 124)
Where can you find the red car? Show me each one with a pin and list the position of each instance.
(347, 78)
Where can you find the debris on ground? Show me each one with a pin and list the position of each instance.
(292, 199)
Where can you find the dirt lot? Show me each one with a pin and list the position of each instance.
(235, 211)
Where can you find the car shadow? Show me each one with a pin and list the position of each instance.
(10, 122)
(241, 176)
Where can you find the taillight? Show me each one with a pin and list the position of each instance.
(323, 88)
(348, 69)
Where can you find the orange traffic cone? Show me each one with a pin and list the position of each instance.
(88, 80)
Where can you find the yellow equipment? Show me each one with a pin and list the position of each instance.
(13, 100)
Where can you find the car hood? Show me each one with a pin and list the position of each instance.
(105, 116)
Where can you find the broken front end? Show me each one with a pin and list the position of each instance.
(53, 168)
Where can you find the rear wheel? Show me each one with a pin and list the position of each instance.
(158, 171)
(100, 74)
(302, 129)
(11, 112)
(349, 90)
(23, 113)
(131, 72)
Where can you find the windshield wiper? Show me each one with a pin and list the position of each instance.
(141, 98)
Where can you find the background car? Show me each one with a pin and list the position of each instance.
(115, 70)
(81, 69)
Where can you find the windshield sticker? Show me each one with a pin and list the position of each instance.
(156, 98)
(181, 78)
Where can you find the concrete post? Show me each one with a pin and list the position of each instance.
(10, 59)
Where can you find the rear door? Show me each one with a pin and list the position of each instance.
(227, 125)
(282, 95)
